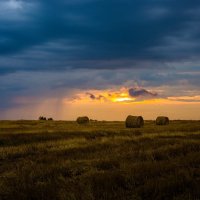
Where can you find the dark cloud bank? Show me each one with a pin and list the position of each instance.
(145, 37)
(98, 34)
(140, 92)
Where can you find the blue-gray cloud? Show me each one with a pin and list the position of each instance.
(49, 48)
(97, 34)
(141, 93)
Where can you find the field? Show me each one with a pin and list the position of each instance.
(101, 161)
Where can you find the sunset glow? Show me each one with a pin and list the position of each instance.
(64, 58)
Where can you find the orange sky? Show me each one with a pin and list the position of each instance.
(106, 105)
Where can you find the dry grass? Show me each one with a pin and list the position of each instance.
(102, 160)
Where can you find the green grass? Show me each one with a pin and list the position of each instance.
(101, 161)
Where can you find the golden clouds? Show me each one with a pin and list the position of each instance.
(137, 96)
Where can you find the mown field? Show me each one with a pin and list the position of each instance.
(100, 161)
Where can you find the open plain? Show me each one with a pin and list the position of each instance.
(99, 161)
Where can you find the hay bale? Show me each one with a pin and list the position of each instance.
(83, 120)
(134, 121)
(162, 120)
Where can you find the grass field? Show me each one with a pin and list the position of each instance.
(100, 161)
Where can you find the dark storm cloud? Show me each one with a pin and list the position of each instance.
(51, 48)
(44, 35)
(141, 93)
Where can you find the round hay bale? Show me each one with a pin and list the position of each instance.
(134, 121)
(83, 120)
(162, 120)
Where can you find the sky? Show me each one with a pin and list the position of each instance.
(102, 58)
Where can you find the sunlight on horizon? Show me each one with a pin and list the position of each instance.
(105, 105)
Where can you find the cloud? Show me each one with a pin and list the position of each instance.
(59, 48)
(93, 97)
(185, 98)
(141, 93)
(11, 5)
(12, 11)
(120, 95)
(98, 34)
(66, 83)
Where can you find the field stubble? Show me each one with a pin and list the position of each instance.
(42, 160)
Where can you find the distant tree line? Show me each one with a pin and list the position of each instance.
(44, 118)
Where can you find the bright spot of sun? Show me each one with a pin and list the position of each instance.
(122, 99)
